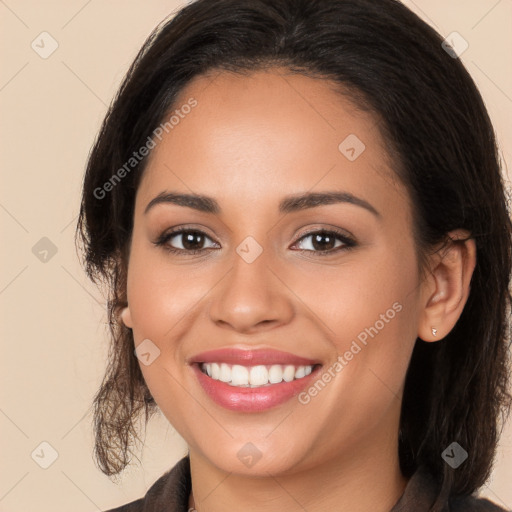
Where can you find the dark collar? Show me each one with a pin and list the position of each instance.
(171, 493)
(419, 494)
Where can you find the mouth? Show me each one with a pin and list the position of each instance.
(252, 380)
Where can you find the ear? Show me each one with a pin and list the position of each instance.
(446, 287)
(126, 317)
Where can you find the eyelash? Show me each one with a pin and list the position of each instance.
(348, 242)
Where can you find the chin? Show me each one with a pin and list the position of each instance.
(257, 458)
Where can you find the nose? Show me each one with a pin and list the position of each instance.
(252, 297)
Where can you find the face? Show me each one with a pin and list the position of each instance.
(319, 295)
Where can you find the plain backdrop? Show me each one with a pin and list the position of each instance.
(53, 330)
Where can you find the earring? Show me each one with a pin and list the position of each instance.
(434, 332)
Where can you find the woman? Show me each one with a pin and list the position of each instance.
(297, 208)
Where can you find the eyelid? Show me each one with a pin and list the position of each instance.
(175, 230)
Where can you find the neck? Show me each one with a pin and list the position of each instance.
(355, 482)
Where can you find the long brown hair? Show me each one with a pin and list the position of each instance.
(441, 139)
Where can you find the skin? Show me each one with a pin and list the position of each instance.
(251, 141)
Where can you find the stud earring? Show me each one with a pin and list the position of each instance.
(434, 332)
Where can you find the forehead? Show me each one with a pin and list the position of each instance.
(267, 132)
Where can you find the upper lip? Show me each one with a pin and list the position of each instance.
(250, 357)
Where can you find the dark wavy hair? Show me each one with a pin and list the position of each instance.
(443, 147)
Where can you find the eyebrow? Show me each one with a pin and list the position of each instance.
(289, 204)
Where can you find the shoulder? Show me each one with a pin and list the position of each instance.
(474, 504)
(133, 506)
(423, 494)
(169, 492)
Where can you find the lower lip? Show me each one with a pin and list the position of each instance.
(251, 399)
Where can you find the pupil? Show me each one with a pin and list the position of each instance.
(318, 245)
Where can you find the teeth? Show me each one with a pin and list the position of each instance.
(289, 373)
(254, 376)
(275, 374)
(239, 375)
(258, 376)
(300, 372)
(225, 373)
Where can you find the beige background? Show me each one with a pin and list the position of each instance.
(53, 323)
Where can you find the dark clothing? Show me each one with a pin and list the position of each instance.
(171, 491)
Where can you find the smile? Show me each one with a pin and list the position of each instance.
(248, 380)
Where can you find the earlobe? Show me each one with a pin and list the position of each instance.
(126, 317)
(447, 288)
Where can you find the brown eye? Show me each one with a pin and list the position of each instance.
(189, 241)
(325, 241)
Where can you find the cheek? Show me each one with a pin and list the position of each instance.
(158, 301)
(370, 313)
(384, 327)
(367, 289)
(163, 301)
(161, 295)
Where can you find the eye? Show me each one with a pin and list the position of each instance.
(192, 241)
(325, 242)
(189, 241)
